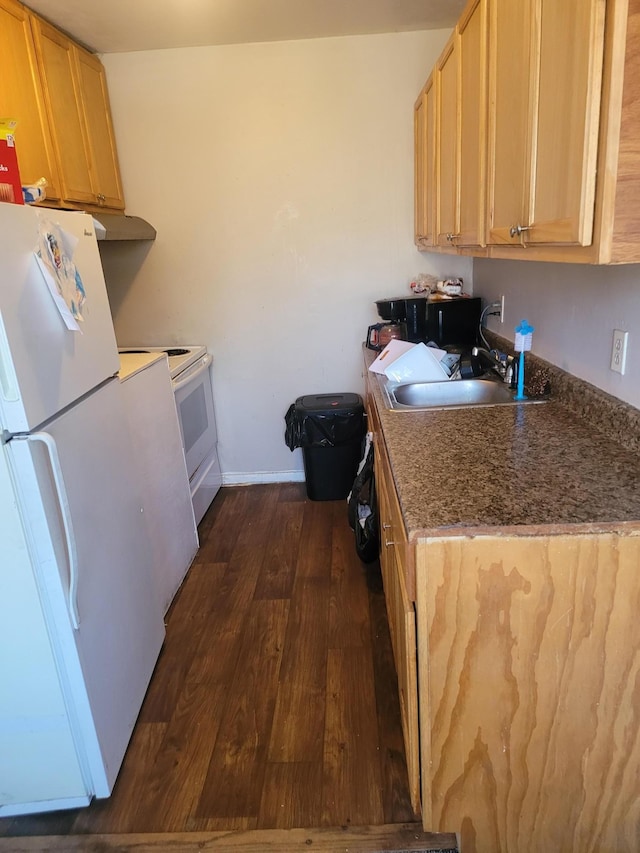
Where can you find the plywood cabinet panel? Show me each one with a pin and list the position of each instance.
(528, 672)
(21, 98)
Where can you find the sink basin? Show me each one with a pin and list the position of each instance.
(453, 394)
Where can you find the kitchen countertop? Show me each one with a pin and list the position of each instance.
(525, 469)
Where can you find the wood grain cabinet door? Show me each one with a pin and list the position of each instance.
(105, 173)
(447, 144)
(57, 67)
(546, 80)
(21, 98)
(510, 80)
(566, 108)
(425, 176)
(472, 47)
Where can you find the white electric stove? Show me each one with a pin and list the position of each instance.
(189, 367)
(179, 357)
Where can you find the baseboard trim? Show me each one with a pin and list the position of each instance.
(247, 478)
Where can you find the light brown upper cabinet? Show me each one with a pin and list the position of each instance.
(21, 98)
(510, 61)
(62, 96)
(460, 82)
(79, 116)
(563, 163)
(104, 170)
(472, 51)
(546, 76)
(424, 146)
(447, 145)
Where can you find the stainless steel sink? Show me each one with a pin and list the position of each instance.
(453, 394)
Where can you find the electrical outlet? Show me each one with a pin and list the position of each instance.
(501, 300)
(619, 350)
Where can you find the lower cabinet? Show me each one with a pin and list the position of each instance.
(394, 561)
(529, 666)
(520, 654)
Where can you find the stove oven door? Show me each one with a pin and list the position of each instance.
(194, 401)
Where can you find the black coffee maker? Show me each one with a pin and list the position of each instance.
(450, 323)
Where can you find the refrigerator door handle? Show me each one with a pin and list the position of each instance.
(63, 501)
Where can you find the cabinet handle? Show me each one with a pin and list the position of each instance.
(451, 237)
(517, 230)
(387, 544)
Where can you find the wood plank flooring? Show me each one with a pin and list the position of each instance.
(274, 702)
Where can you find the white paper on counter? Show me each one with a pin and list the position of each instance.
(420, 364)
(393, 350)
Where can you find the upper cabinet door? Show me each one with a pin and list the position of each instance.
(21, 98)
(569, 55)
(510, 81)
(57, 63)
(546, 77)
(425, 175)
(105, 174)
(447, 145)
(472, 47)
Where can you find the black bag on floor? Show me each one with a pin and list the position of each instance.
(362, 508)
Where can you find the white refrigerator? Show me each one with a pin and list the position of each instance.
(81, 625)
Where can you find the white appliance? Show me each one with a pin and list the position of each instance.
(161, 468)
(190, 368)
(80, 623)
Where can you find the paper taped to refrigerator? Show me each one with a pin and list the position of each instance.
(54, 255)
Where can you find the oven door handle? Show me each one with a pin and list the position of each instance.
(201, 367)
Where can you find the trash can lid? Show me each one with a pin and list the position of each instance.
(328, 402)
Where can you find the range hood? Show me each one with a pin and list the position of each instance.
(114, 226)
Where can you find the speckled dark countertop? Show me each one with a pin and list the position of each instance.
(520, 469)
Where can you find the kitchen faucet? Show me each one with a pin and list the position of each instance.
(504, 366)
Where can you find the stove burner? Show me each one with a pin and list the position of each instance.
(135, 351)
(172, 352)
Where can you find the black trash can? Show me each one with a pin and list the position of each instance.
(329, 428)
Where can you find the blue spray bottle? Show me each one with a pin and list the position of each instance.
(522, 343)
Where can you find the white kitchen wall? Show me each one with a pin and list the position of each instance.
(280, 179)
(574, 310)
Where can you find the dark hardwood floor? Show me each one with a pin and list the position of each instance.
(274, 701)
